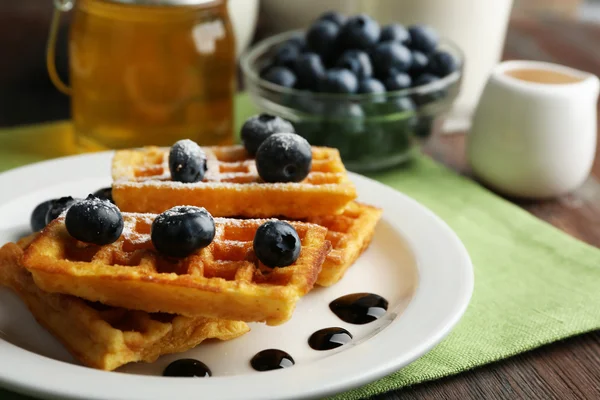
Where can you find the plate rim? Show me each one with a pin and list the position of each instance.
(23, 383)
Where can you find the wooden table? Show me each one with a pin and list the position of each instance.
(571, 368)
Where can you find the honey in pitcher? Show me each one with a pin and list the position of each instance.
(151, 73)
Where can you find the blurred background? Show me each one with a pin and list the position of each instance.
(27, 96)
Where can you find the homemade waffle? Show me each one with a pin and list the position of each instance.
(104, 337)
(231, 186)
(350, 234)
(223, 280)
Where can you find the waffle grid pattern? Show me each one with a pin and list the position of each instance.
(223, 280)
(350, 234)
(105, 337)
(231, 187)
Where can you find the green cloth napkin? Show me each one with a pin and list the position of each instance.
(533, 283)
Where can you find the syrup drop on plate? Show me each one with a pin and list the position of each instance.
(359, 308)
(187, 367)
(329, 338)
(271, 359)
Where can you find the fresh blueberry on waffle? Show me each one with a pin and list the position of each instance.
(276, 244)
(182, 230)
(284, 157)
(187, 162)
(94, 220)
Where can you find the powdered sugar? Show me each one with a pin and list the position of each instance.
(187, 161)
(137, 226)
(93, 204)
(287, 141)
(182, 210)
(228, 167)
(187, 147)
(131, 231)
(96, 203)
(238, 186)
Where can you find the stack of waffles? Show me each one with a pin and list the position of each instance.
(125, 302)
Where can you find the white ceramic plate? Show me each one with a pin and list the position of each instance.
(415, 261)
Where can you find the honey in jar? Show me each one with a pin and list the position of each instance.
(151, 72)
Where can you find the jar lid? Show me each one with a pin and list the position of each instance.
(163, 2)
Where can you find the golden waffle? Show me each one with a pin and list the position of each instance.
(350, 234)
(231, 186)
(223, 280)
(104, 337)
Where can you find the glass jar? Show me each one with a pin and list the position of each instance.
(150, 72)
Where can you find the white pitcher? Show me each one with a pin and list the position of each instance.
(534, 131)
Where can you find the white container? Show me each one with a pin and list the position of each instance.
(534, 140)
(243, 14)
(478, 27)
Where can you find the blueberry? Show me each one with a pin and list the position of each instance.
(395, 105)
(104, 194)
(297, 40)
(285, 55)
(399, 130)
(281, 76)
(334, 17)
(419, 63)
(370, 85)
(309, 104)
(356, 61)
(38, 216)
(182, 230)
(387, 140)
(309, 70)
(259, 127)
(431, 95)
(424, 79)
(442, 64)
(94, 220)
(398, 81)
(394, 33)
(403, 104)
(346, 119)
(423, 38)
(309, 125)
(359, 32)
(276, 244)
(187, 162)
(345, 126)
(377, 141)
(321, 37)
(284, 157)
(390, 55)
(311, 129)
(382, 137)
(57, 206)
(338, 81)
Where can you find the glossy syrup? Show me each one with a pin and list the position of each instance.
(329, 338)
(187, 367)
(271, 359)
(359, 308)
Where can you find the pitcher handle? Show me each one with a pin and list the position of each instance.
(60, 6)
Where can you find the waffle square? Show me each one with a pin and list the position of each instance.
(223, 280)
(231, 186)
(350, 234)
(104, 337)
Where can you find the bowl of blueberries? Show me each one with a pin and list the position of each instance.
(373, 92)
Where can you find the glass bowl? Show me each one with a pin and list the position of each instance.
(371, 131)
